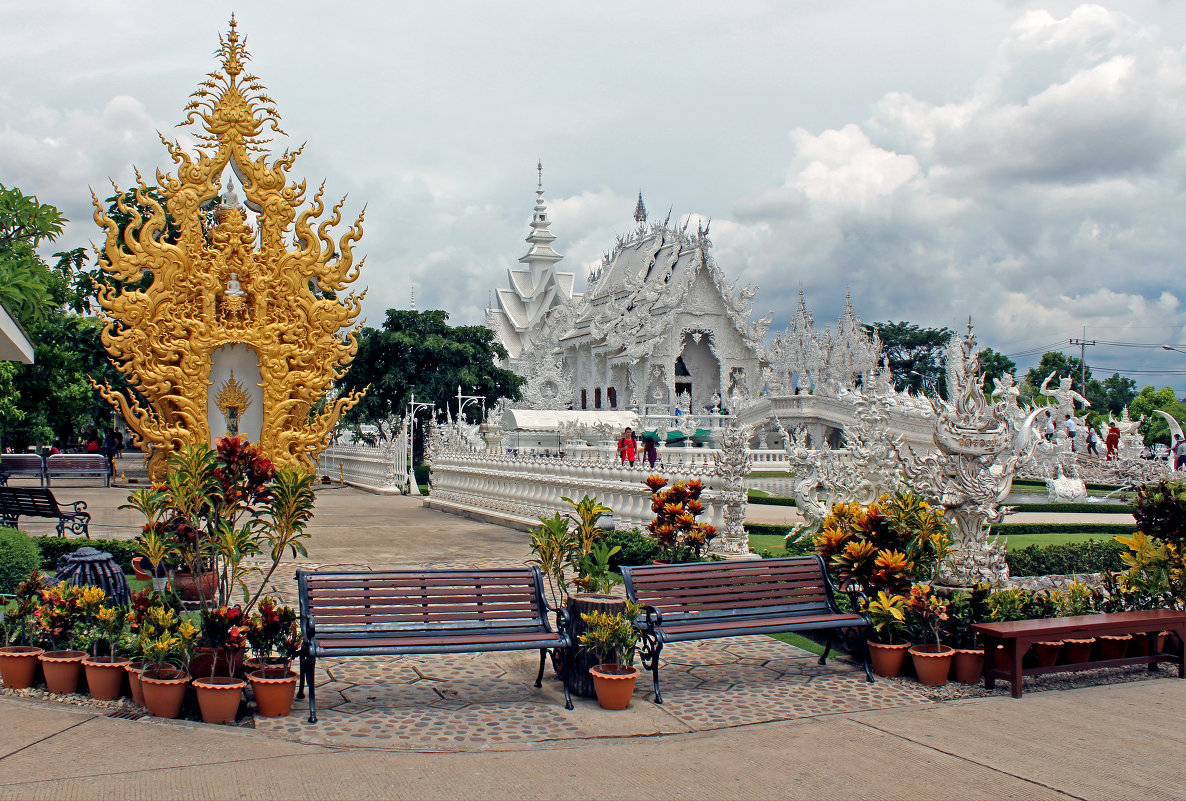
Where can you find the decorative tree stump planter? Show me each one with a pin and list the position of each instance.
(581, 682)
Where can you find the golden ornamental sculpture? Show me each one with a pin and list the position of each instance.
(232, 401)
(225, 290)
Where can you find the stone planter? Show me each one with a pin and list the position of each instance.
(18, 666)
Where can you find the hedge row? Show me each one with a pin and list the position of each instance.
(1011, 529)
(1037, 482)
(1077, 508)
(1092, 556)
(20, 554)
(769, 500)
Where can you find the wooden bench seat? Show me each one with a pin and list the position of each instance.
(18, 502)
(367, 613)
(702, 600)
(1018, 635)
(29, 465)
(78, 465)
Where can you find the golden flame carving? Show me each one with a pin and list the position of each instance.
(291, 309)
(233, 394)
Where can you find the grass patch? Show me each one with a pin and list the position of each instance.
(759, 494)
(1054, 538)
(777, 474)
(759, 542)
(759, 497)
(1075, 508)
(799, 641)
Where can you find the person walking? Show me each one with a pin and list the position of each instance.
(1178, 449)
(628, 447)
(650, 450)
(1050, 427)
(1072, 430)
(1092, 441)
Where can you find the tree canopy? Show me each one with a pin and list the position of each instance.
(419, 352)
(1155, 428)
(915, 355)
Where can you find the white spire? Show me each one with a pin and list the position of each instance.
(540, 257)
(413, 296)
(640, 211)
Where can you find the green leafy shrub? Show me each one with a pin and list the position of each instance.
(1161, 511)
(769, 500)
(1013, 529)
(51, 548)
(422, 473)
(636, 548)
(1092, 556)
(18, 558)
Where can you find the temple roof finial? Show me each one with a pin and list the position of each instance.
(640, 210)
(539, 167)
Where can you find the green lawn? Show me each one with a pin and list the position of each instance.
(791, 638)
(769, 474)
(759, 542)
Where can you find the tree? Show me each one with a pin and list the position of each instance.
(419, 352)
(915, 355)
(1111, 395)
(51, 397)
(1063, 366)
(994, 365)
(1155, 428)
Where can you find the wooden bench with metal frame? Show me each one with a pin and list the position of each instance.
(392, 612)
(1018, 635)
(703, 600)
(29, 465)
(18, 502)
(78, 465)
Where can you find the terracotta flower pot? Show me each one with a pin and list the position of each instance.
(967, 665)
(18, 666)
(105, 676)
(932, 663)
(134, 669)
(274, 690)
(186, 586)
(888, 659)
(254, 663)
(219, 698)
(1077, 650)
(63, 670)
(614, 684)
(1046, 653)
(164, 691)
(1000, 658)
(1109, 646)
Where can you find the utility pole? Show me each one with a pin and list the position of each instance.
(1082, 343)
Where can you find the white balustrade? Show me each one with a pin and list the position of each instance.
(377, 469)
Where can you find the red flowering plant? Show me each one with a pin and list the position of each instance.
(58, 613)
(215, 508)
(274, 636)
(680, 536)
(20, 619)
(223, 631)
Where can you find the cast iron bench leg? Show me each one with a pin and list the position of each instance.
(312, 690)
(301, 681)
(543, 656)
(823, 660)
(569, 668)
(865, 653)
(650, 660)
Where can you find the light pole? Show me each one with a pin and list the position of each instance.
(413, 409)
(1176, 350)
(466, 400)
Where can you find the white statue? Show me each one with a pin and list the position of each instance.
(233, 288)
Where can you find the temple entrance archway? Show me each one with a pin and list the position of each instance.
(703, 369)
(235, 400)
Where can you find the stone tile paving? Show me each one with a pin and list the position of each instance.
(484, 701)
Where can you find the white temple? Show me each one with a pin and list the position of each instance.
(534, 291)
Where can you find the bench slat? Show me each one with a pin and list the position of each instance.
(391, 594)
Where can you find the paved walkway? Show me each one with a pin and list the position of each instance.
(745, 717)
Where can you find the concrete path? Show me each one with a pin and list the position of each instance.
(1121, 741)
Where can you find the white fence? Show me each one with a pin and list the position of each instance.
(672, 458)
(382, 469)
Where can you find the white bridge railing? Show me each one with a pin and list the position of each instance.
(381, 468)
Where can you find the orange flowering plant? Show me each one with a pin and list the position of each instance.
(885, 545)
(679, 535)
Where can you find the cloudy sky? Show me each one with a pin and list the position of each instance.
(1022, 162)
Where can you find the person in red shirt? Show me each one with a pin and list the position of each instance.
(1112, 441)
(628, 447)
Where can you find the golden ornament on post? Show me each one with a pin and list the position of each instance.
(225, 294)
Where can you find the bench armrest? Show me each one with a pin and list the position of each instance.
(650, 617)
(309, 627)
(78, 506)
(563, 619)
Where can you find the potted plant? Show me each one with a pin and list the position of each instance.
(225, 639)
(57, 614)
(932, 663)
(139, 604)
(274, 634)
(1004, 605)
(967, 608)
(165, 642)
(18, 663)
(1077, 599)
(104, 674)
(887, 616)
(681, 538)
(612, 637)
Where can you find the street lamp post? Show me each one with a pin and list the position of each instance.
(465, 400)
(413, 409)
